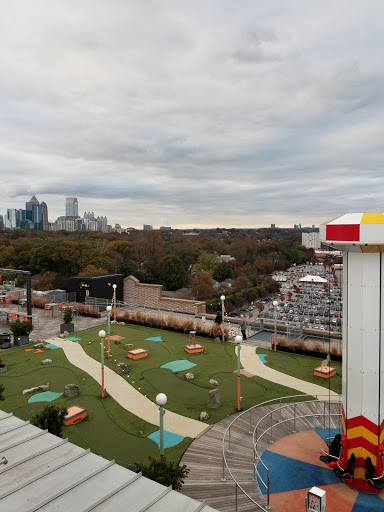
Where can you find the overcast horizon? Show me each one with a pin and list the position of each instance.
(193, 114)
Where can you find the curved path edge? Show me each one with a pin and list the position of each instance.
(126, 395)
(252, 363)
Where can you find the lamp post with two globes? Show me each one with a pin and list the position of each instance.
(161, 400)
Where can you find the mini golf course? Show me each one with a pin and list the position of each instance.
(109, 429)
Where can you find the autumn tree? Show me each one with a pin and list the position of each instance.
(202, 287)
(90, 270)
(222, 271)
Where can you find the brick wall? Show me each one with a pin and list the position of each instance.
(138, 295)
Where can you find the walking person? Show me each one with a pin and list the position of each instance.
(243, 327)
(219, 318)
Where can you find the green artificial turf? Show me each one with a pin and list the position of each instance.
(109, 430)
(302, 368)
(186, 397)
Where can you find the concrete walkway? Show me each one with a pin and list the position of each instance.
(253, 364)
(126, 395)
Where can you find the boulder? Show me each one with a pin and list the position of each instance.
(213, 401)
(46, 361)
(48, 347)
(217, 340)
(38, 345)
(204, 416)
(213, 382)
(43, 387)
(121, 368)
(71, 390)
(121, 323)
(129, 345)
(189, 376)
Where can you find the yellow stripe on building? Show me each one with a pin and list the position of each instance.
(372, 218)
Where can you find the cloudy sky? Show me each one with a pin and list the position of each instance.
(236, 113)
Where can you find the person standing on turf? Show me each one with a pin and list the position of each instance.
(243, 327)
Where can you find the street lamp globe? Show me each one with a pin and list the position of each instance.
(222, 298)
(275, 303)
(109, 309)
(114, 286)
(102, 334)
(238, 338)
(161, 399)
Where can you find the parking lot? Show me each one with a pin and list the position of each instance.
(309, 304)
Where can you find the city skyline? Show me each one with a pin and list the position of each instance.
(193, 115)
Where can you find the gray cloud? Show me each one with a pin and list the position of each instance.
(204, 113)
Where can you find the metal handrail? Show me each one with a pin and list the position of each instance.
(249, 411)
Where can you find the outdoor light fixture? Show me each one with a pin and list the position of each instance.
(238, 340)
(275, 304)
(222, 298)
(109, 309)
(161, 400)
(102, 336)
(114, 286)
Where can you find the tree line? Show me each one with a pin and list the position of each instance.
(172, 259)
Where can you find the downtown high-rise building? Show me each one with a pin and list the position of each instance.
(44, 211)
(33, 215)
(71, 207)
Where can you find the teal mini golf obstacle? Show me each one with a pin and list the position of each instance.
(179, 365)
(170, 439)
(155, 338)
(45, 396)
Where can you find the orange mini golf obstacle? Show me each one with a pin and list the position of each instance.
(75, 414)
(137, 353)
(193, 347)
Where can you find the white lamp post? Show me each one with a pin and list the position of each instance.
(102, 336)
(114, 286)
(161, 400)
(238, 340)
(109, 309)
(275, 304)
(222, 298)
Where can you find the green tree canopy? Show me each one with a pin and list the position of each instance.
(222, 271)
(171, 273)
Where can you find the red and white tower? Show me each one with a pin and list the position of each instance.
(361, 238)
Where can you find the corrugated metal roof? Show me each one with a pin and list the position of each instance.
(47, 473)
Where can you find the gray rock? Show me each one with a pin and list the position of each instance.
(213, 382)
(129, 345)
(38, 345)
(204, 416)
(71, 390)
(189, 376)
(43, 387)
(46, 361)
(213, 401)
(121, 368)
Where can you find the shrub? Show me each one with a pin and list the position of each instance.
(165, 473)
(50, 418)
(21, 328)
(68, 315)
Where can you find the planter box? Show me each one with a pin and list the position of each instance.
(21, 340)
(5, 340)
(69, 328)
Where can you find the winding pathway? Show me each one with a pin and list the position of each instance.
(252, 363)
(126, 395)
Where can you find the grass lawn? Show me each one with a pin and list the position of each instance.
(186, 397)
(302, 368)
(109, 430)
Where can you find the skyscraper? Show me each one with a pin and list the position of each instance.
(33, 214)
(44, 211)
(71, 207)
